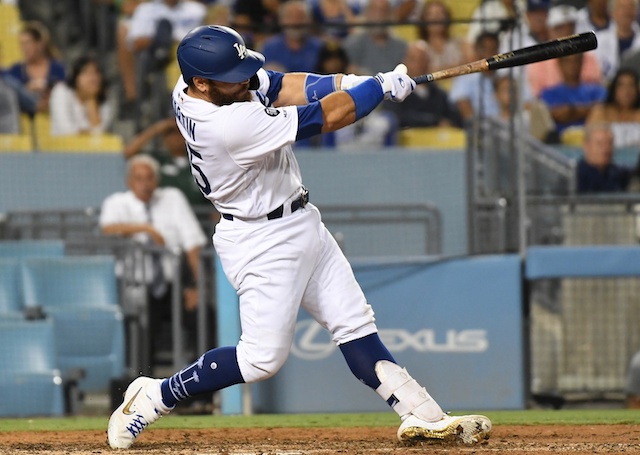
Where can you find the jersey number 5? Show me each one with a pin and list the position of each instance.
(204, 185)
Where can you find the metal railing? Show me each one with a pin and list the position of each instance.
(496, 221)
(422, 225)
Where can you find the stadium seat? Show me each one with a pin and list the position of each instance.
(10, 294)
(80, 294)
(406, 32)
(572, 136)
(16, 143)
(84, 143)
(10, 25)
(30, 248)
(433, 138)
(461, 10)
(172, 71)
(30, 380)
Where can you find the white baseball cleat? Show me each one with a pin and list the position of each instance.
(136, 412)
(466, 429)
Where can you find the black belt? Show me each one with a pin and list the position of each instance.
(296, 204)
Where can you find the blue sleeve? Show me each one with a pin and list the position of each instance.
(275, 84)
(309, 120)
(550, 97)
(17, 73)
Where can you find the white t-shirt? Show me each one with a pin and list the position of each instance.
(69, 116)
(241, 153)
(170, 215)
(186, 15)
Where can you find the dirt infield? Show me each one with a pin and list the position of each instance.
(514, 440)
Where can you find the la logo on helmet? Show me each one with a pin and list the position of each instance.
(241, 49)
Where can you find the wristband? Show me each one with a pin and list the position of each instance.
(366, 96)
(317, 86)
(351, 80)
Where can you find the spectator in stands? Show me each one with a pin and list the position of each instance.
(154, 28)
(534, 28)
(255, 20)
(332, 18)
(474, 94)
(428, 105)
(175, 169)
(621, 109)
(632, 387)
(623, 36)
(294, 48)
(571, 101)
(378, 129)
(562, 22)
(503, 84)
(156, 25)
(375, 49)
(493, 16)
(332, 59)
(593, 16)
(445, 51)
(126, 60)
(158, 217)
(596, 171)
(80, 105)
(39, 70)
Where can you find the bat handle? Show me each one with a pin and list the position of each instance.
(424, 78)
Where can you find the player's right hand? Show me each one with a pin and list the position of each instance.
(396, 85)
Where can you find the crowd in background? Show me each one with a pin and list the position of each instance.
(108, 66)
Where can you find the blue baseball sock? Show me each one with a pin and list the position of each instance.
(214, 370)
(362, 355)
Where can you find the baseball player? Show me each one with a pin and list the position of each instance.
(239, 122)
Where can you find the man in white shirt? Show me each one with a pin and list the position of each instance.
(160, 217)
(182, 15)
(620, 38)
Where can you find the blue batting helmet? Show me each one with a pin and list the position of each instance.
(217, 53)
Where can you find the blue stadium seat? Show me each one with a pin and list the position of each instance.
(91, 339)
(30, 248)
(70, 281)
(29, 378)
(80, 294)
(10, 290)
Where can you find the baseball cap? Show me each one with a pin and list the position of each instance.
(562, 14)
(538, 5)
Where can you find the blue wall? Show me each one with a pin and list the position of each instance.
(455, 325)
(40, 181)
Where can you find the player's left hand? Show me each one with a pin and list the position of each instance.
(396, 85)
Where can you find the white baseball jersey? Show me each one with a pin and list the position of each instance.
(241, 157)
(244, 175)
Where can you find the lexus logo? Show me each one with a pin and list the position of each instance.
(312, 342)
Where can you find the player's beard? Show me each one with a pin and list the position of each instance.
(224, 98)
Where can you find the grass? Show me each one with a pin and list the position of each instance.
(527, 417)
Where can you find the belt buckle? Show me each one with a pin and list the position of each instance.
(304, 197)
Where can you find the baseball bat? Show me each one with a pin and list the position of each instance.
(561, 47)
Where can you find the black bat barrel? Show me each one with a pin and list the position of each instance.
(573, 44)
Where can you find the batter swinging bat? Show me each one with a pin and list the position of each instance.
(561, 47)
